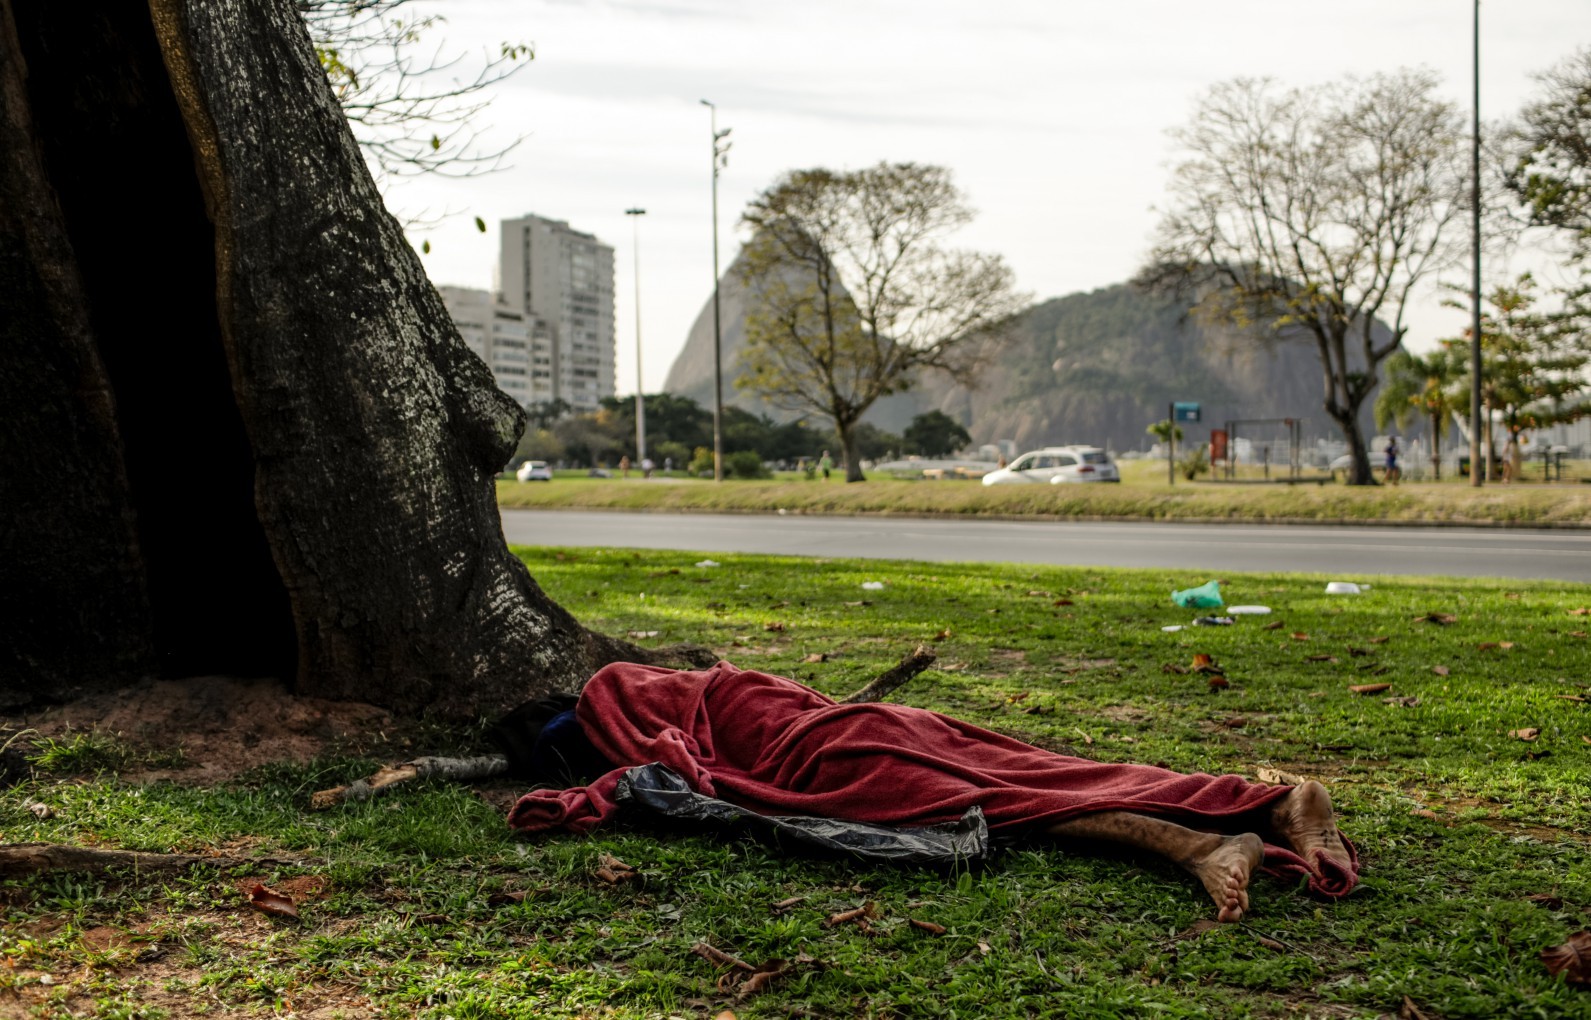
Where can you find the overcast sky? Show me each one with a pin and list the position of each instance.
(1051, 114)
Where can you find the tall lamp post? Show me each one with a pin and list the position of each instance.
(720, 160)
(1476, 471)
(640, 401)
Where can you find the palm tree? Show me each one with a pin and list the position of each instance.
(1417, 385)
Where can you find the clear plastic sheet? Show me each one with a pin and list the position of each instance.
(661, 790)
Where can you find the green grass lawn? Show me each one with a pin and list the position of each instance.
(1144, 495)
(1474, 841)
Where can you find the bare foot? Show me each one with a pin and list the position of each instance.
(1304, 818)
(1225, 873)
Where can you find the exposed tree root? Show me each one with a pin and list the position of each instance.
(18, 859)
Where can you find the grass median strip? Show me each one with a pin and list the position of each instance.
(1466, 783)
(1204, 501)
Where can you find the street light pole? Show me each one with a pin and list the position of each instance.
(1476, 474)
(640, 401)
(720, 160)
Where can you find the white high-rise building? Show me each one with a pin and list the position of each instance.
(518, 348)
(549, 271)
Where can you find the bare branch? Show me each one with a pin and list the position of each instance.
(886, 682)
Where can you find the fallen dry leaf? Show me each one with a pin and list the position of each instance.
(1423, 812)
(863, 602)
(1577, 633)
(760, 979)
(268, 901)
(1505, 644)
(725, 1015)
(1169, 667)
(641, 633)
(1441, 670)
(1086, 738)
(787, 904)
(1438, 618)
(1237, 722)
(503, 899)
(1278, 777)
(1383, 639)
(1572, 960)
(1582, 611)
(1358, 653)
(773, 625)
(1038, 594)
(1018, 696)
(1546, 900)
(1203, 661)
(1270, 944)
(1401, 702)
(1299, 635)
(942, 635)
(1219, 682)
(1321, 658)
(1409, 1011)
(39, 810)
(985, 949)
(613, 871)
(1511, 595)
(1486, 646)
(1275, 625)
(928, 926)
(1064, 602)
(864, 912)
(1570, 697)
(817, 657)
(1585, 739)
(1528, 733)
(1369, 688)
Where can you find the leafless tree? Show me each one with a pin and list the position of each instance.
(854, 292)
(1314, 214)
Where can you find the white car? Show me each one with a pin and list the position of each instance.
(1057, 465)
(534, 471)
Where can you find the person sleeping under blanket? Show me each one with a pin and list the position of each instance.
(777, 747)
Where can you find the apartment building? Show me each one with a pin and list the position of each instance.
(563, 277)
(517, 347)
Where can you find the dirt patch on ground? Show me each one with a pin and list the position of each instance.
(223, 726)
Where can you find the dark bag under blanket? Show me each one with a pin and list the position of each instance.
(661, 790)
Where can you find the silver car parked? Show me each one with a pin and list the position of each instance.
(1057, 465)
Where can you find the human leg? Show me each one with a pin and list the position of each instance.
(1222, 863)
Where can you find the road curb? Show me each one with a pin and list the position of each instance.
(1330, 522)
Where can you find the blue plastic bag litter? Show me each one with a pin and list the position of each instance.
(1205, 596)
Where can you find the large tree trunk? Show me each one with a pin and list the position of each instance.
(240, 432)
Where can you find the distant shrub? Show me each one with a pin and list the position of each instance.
(746, 464)
(702, 462)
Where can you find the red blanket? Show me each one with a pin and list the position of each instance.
(778, 747)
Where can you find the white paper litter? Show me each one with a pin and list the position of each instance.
(1247, 610)
(872, 585)
(708, 563)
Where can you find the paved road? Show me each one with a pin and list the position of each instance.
(1346, 552)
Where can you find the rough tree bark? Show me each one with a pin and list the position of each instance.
(240, 433)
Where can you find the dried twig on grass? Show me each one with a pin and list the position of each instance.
(886, 682)
(460, 769)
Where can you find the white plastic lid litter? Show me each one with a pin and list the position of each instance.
(1344, 588)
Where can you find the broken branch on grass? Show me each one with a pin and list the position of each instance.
(886, 682)
(460, 769)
